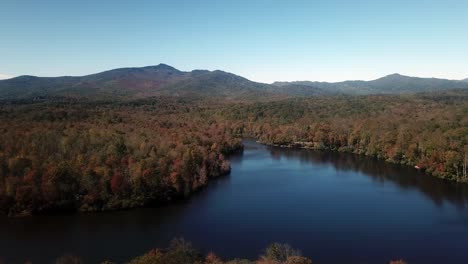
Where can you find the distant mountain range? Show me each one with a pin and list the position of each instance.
(165, 80)
(390, 84)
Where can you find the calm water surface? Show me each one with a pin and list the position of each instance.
(334, 207)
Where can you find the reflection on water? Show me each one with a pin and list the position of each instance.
(437, 190)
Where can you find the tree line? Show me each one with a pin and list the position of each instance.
(428, 131)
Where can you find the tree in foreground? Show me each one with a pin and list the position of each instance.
(279, 253)
(181, 251)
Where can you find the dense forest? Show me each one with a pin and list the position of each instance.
(87, 155)
(181, 251)
(95, 156)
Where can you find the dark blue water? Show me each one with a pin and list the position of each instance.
(334, 207)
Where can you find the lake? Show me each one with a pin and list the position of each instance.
(334, 207)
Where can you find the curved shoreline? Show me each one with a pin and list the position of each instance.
(310, 146)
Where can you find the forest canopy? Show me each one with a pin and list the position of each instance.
(81, 154)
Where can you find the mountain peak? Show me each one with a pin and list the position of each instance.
(162, 67)
(26, 77)
(394, 75)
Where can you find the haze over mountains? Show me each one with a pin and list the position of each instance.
(165, 80)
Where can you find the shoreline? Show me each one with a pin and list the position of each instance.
(169, 199)
(311, 146)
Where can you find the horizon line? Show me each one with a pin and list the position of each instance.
(5, 76)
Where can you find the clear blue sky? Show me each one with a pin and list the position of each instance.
(262, 40)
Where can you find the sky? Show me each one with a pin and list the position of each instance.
(264, 41)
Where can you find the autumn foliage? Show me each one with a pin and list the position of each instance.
(93, 156)
(77, 154)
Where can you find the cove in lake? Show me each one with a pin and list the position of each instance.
(334, 207)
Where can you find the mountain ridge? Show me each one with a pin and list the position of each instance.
(390, 84)
(163, 79)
